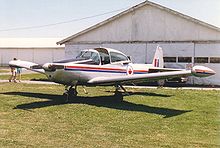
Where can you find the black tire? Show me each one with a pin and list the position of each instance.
(118, 97)
(66, 97)
(72, 93)
(161, 83)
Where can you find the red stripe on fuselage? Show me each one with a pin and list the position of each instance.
(95, 68)
(204, 71)
(103, 68)
(141, 71)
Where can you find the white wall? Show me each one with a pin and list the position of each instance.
(149, 23)
(137, 51)
(37, 55)
(71, 51)
(6, 55)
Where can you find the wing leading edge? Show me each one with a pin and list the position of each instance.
(139, 78)
(198, 71)
(28, 65)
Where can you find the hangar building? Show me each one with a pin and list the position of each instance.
(138, 30)
(37, 50)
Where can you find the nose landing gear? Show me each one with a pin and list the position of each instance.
(70, 93)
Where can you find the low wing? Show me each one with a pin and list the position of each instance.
(158, 69)
(27, 65)
(140, 77)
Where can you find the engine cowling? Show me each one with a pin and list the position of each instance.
(48, 67)
(202, 71)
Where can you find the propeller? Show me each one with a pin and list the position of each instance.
(52, 67)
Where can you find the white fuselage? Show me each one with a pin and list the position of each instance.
(82, 73)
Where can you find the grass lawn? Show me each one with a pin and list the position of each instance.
(35, 116)
(31, 76)
(4, 70)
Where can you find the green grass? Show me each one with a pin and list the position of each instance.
(4, 70)
(32, 76)
(35, 116)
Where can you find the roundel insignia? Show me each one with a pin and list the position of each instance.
(130, 70)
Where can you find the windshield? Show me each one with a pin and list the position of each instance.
(89, 55)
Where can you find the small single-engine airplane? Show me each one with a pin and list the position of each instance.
(106, 66)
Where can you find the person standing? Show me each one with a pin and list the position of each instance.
(18, 73)
(13, 73)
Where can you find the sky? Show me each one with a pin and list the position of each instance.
(79, 15)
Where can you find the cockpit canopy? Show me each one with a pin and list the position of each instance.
(101, 56)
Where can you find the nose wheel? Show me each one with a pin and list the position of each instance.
(70, 93)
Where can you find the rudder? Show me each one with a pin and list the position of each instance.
(158, 58)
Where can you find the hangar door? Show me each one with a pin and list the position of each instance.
(181, 55)
(208, 54)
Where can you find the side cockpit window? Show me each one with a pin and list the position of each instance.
(104, 58)
(104, 55)
(117, 57)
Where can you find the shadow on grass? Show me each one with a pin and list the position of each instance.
(145, 94)
(99, 101)
(40, 79)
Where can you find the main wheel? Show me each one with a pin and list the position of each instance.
(72, 92)
(66, 96)
(118, 96)
(161, 83)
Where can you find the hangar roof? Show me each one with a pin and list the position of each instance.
(135, 8)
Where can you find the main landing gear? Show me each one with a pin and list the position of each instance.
(118, 94)
(71, 92)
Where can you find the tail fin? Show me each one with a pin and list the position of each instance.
(158, 58)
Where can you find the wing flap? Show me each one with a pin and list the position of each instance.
(140, 77)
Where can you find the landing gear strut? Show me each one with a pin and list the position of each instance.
(118, 94)
(70, 93)
(118, 87)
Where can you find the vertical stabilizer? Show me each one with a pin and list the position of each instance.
(158, 58)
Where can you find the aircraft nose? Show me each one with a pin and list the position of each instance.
(202, 71)
(212, 71)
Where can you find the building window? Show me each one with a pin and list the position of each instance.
(185, 59)
(170, 59)
(201, 60)
(214, 59)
